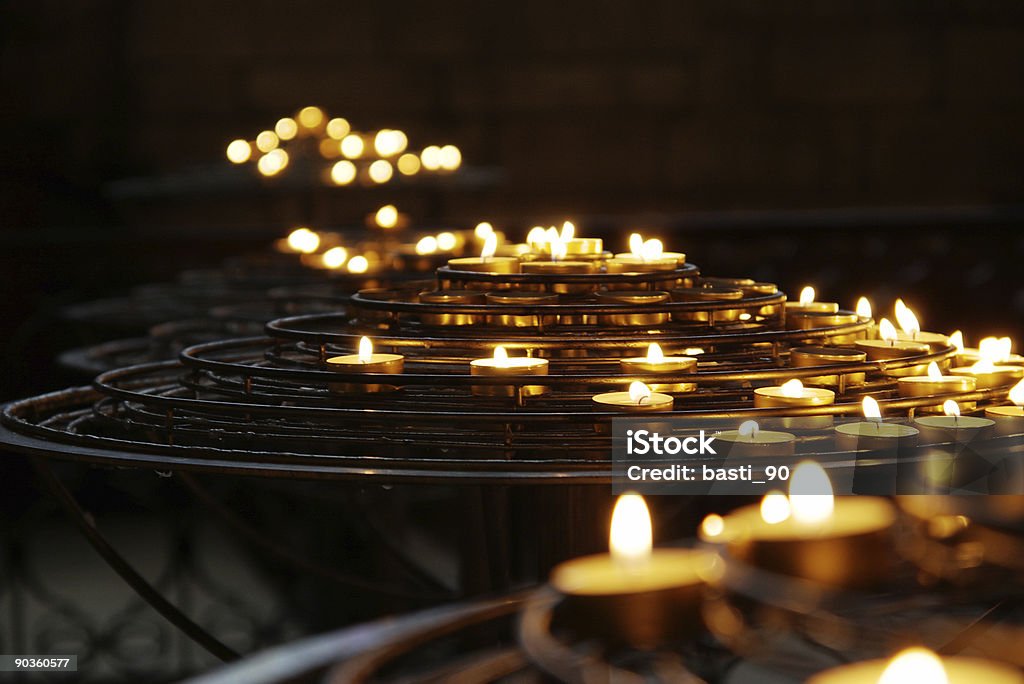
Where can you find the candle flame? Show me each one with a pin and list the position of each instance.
(365, 350)
(775, 507)
(631, 535)
(748, 428)
(792, 388)
(956, 338)
(654, 353)
(807, 295)
(303, 240)
(490, 246)
(886, 330)
(918, 665)
(995, 349)
(863, 307)
(871, 409)
(426, 245)
(933, 371)
(636, 244)
(693, 351)
(537, 237)
(1016, 394)
(568, 231)
(810, 493)
(447, 241)
(483, 229)
(712, 525)
(639, 392)
(387, 216)
(501, 355)
(951, 408)
(335, 257)
(358, 264)
(558, 249)
(651, 250)
(906, 318)
(983, 366)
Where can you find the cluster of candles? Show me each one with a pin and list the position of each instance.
(644, 597)
(371, 157)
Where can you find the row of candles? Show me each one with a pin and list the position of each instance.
(748, 439)
(644, 596)
(377, 155)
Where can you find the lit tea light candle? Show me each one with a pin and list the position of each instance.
(952, 427)
(387, 217)
(750, 440)
(365, 361)
(645, 256)
(910, 329)
(300, 241)
(838, 542)
(657, 362)
(807, 304)
(889, 348)
(920, 666)
(578, 246)
(792, 393)
(1009, 420)
(558, 266)
(635, 594)
(811, 356)
(501, 364)
(934, 382)
(998, 350)
(988, 375)
(638, 399)
(486, 262)
(874, 434)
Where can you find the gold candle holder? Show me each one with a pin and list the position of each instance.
(707, 294)
(556, 268)
(657, 362)
(490, 264)
(634, 297)
(502, 364)
(638, 399)
(934, 382)
(452, 297)
(793, 394)
(634, 595)
(888, 348)
(366, 361)
(811, 356)
(521, 298)
(875, 435)
(986, 375)
(920, 665)
(749, 440)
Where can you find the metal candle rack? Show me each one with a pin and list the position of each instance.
(264, 406)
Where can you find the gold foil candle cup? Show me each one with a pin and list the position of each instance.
(841, 542)
(873, 434)
(920, 666)
(812, 356)
(655, 362)
(650, 298)
(636, 594)
(934, 382)
(707, 294)
(449, 297)
(520, 298)
(639, 399)
(365, 361)
(749, 440)
(486, 262)
(953, 427)
(501, 364)
(987, 375)
(1009, 420)
(793, 394)
(888, 348)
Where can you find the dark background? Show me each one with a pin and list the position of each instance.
(865, 147)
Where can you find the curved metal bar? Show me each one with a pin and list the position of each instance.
(131, 577)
